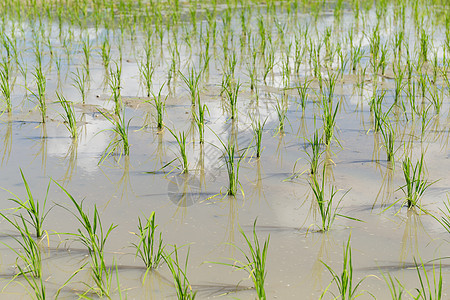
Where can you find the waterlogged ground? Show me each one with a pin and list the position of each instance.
(193, 209)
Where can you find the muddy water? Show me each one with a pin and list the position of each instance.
(192, 209)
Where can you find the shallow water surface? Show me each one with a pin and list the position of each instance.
(193, 210)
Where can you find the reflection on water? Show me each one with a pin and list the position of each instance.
(257, 183)
(154, 284)
(7, 140)
(233, 213)
(160, 148)
(412, 235)
(318, 267)
(85, 153)
(281, 148)
(124, 184)
(41, 144)
(70, 160)
(200, 168)
(386, 191)
(376, 148)
(183, 189)
(303, 128)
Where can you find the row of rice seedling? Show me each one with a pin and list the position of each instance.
(328, 42)
(84, 42)
(152, 252)
(232, 89)
(150, 248)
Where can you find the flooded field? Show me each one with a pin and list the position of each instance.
(240, 149)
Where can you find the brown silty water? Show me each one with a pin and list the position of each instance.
(193, 210)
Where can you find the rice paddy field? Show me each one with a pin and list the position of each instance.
(232, 149)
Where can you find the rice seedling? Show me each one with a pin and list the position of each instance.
(409, 64)
(255, 260)
(258, 129)
(5, 85)
(423, 79)
(251, 69)
(30, 253)
(398, 41)
(424, 45)
(298, 55)
(315, 60)
(330, 83)
(228, 72)
(34, 210)
(343, 59)
(316, 152)
(232, 161)
(396, 289)
(398, 80)
(446, 78)
(361, 78)
(9, 46)
(106, 52)
(147, 69)
(375, 45)
(67, 46)
(435, 67)
(356, 55)
(149, 249)
(329, 120)
(199, 118)
(193, 15)
(255, 263)
(326, 41)
(115, 86)
(160, 105)
(232, 91)
(181, 141)
(86, 47)
(39, 95)
(269, 63)
(120, 143)
(23, 70)
(183, 287)
(286, 68)
(192, 83)
(79, 82)
(415, 183)
(328, 214)
(411, 100)
(36, 284)
(93, 236)
(378, 116)
(435, 98)
(347, 289)
(445, 218)
(424, 121)
(38, 52)
(388, 135)
(58, 62)
(69, 116)
(120, 50)
(430, 287)
(302, 90)
(383, 58)
(281, 109)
